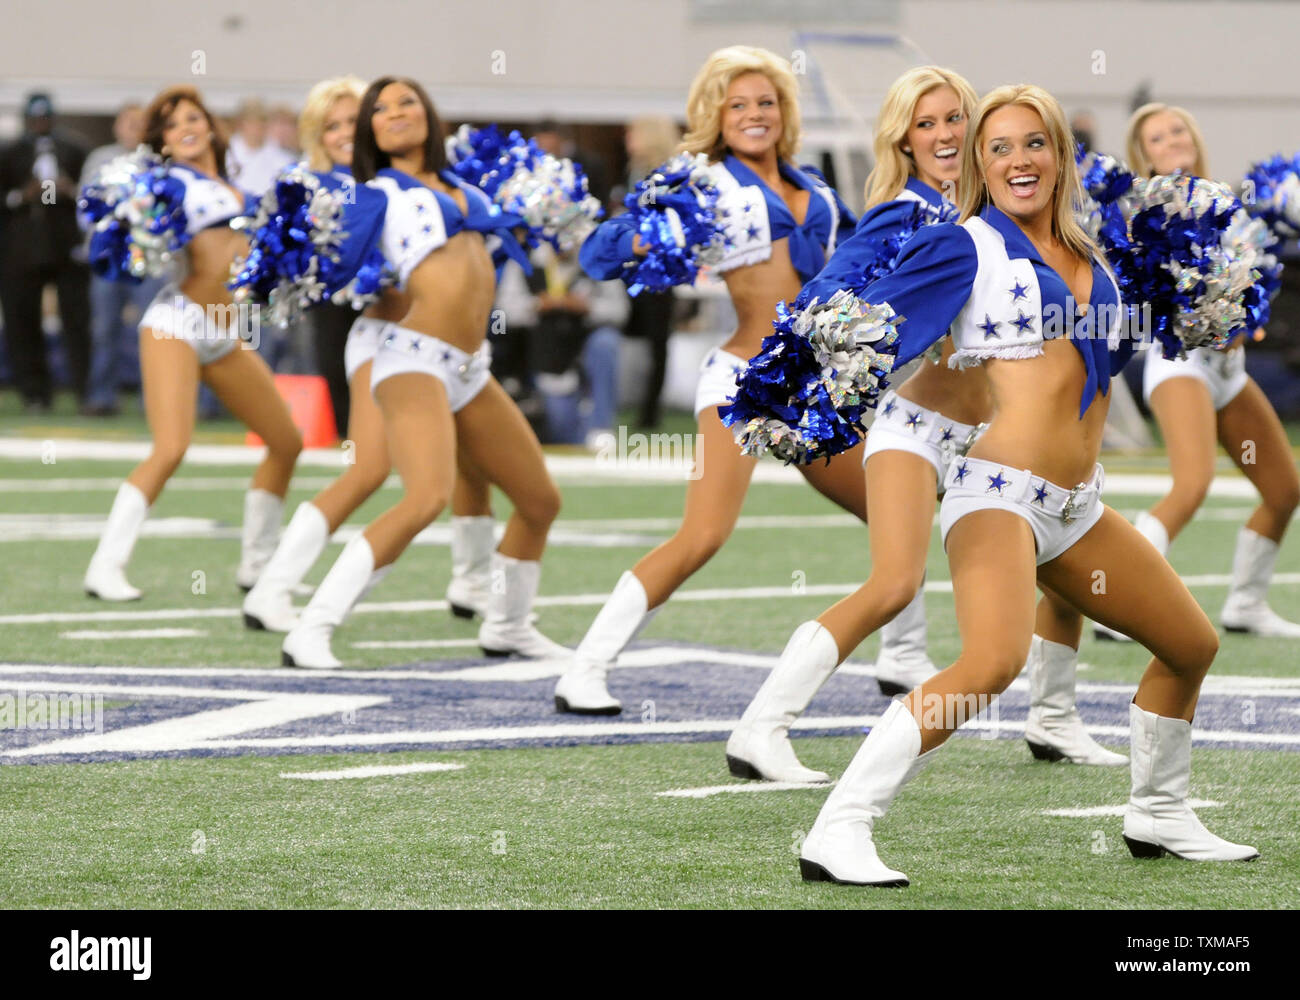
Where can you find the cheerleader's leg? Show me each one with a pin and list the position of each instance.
(500, 443)
(473, 538)
(1111, 577)
(246, 387)
(991, 553)
(1054, 730)
(269, 605)
(1254, 438)
(715, 494)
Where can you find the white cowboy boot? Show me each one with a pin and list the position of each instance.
(507, 623)
(1158, 819)
(759, 746)
(1153, 530)
(839, 847)
(472, 542)
(1246, 609)
(352, 576)
(1054, 730)
(106, 575)
(903, 663)
(269, 605)
(581, 689)
(263, 512)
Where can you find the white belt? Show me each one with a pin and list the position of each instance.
(927, 426)
(975, 475)
(417, 345)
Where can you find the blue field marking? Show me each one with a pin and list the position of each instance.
(411, 707)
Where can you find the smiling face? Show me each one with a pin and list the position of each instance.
(399, 121)
(338, 130)
(751, 116)
(187, 133)
(934, 138)
(1168, 143)
(1019, 162)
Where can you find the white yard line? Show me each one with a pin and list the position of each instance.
(582, 468)
(135, 633)
(1119, 810)
(753, 786)
(555, 600)
(377, 771)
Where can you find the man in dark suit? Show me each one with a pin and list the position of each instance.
(42, 245)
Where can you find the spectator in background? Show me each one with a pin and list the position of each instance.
(112, 332)
(283, 129)
(558, 140)
(649, 142)
(570, 323)
(43, 245)
(254, 159)
(1084, 127)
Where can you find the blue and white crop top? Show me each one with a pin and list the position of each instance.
(753, 216)
(985, 283)
(208, 201)
(879, 233)
(419, 220)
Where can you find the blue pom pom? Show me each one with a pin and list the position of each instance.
(674, 211)
(135, 210)
(548, 193)
(1271, 191)
(311, 242)
(804, 396)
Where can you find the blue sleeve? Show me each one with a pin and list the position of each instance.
(847, 219)
(928, 289)
(609, 249)
(859, 251)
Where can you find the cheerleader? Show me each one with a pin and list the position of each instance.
(782, 223)
(1207, 397)
(1007, 281)
(934, 416)
(431, 381)
(326, 135)
(191, 332)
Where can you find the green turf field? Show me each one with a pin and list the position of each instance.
(572, 826)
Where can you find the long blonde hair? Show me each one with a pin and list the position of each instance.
(311, 123)
(709, 93)
(1067, 195)
(1138, 160)
(893, 166)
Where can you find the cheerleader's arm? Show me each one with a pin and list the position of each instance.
(608, 250)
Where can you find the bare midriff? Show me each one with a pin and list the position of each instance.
(755, 292)
(1036, 424)
(960, 395)
(210, 254)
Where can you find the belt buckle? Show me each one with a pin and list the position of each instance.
(1074, 508)
(971, 438)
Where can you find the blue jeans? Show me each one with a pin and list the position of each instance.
(113, 341)
(568, 415)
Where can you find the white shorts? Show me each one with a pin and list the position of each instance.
(902, 425)
(1223, 372)
(717, 379)
(404, 350)
(363, 343)
(1059, 517)
(176, 316)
